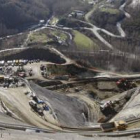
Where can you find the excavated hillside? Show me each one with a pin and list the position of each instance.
(70, 111)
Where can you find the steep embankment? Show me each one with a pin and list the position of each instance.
(70, 111)
(130, 110)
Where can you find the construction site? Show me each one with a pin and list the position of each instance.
(42, 91)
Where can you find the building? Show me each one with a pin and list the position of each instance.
(77, 14)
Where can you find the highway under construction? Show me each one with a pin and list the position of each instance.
(53, 95)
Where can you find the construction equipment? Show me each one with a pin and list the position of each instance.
(112, 126)
(16, 62)
(21, 74)
(2, 78)
(33, 104)
(21, 71)
(2, 63)
(30, 72)
(121, 125)
(124, 84)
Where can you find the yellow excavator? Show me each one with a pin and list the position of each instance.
(113, 126)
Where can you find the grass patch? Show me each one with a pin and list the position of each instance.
(62, 35)
(83, 42)
(110, 10)
(54, 21)
(38, 38)
(47, 35)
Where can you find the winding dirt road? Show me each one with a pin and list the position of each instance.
(95, 29)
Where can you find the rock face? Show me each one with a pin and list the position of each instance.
(70, 111)
(131, 109)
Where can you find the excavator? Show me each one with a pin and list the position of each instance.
(125, 85)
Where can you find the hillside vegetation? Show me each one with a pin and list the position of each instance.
(15, 14)
(19, 14)
(107, 18)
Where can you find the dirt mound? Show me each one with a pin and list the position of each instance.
(70, 69)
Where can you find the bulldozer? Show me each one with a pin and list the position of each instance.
(113, 126)
(120, 125)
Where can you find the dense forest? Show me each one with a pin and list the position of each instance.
(18, 14)
(15, 14)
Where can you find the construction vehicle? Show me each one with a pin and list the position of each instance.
(9, 62)
(33, 105)
(22, 74)
(38, 108)
(16, 62)
(43, 67)
(113, 126)
(2, 63)
(1, 78)
(30, 72)
(21, 71)
(124, 84)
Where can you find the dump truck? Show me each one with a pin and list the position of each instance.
(1, 78)
(42, 67)
(16, 62)
(112, 126)
(21, 74)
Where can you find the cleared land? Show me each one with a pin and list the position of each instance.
(83, 42)
(110, 10)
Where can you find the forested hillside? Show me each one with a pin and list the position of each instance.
(17, 14)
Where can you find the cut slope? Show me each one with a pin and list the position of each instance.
(70, 111)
